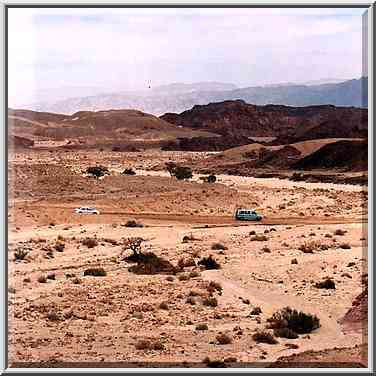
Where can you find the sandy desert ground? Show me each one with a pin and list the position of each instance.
(182, 314)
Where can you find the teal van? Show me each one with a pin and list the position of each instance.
(247, 215)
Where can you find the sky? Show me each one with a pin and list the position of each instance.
(109, 50)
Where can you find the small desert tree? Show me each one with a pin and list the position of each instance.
(180, 172)
(134, 244)
(97, 171)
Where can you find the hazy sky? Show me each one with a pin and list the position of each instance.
(122, 49)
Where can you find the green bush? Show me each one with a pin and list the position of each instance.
(297, 321)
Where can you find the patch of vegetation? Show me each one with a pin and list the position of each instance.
(259, 238)
(263, 336)
(188, 238)
(310, 246)
(224, 339)
(147, 344)
(297, 321)
(213, 287)
(340, 232)
(218, 247)
(202, 327)
(253, 232)
(133, 223)
(209, 179)
(266, 249)
(163, 305)
(215, 363)
(183, 277)
(59, 246)
(210, 302)
(90, 242)
(42, 279)
(180, 172)
(345, 246)
(97, 171)
(20, 254)
(76, 281)
(128, 171)
(95, 272)
(194, 274)
(294, 261)
(51, 276)
(256, 311)
(297, 176)
(209, 263)
(326, 284)
(285, 333)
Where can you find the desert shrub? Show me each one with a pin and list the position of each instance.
(134, 244)
(20, 254)
(253, 232)
(285, 333)
(180, 172)
(186, 262)
(51, 276)
(146, 344)
(210, 302)
(202, 327)
(95, 272)
(188, 238)
(340, 232)
(345, 246)
(297, 176)
(90, 242)
(259, 238)
(59, 246)
(326, 284)
(328, 235)
(128, 171)
(133, 223)
(294, 261)
(266, 249)
(194, 274)
(97, 171)
(42, 279)
(209, 263)
(263, 336)
(53, 316)
(183, 277)
(256, 311)
(69, 275)
(214, 363)
(163, 305)
(309, 247)
(224, 339)
(170, 278)
(297, 321)
(214, 286)
(218, 247)
(211, 178)
(76, 281)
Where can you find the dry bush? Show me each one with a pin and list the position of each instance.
(210, 302)
(259, 238)
(194, 274)
(51, 276)
(42, 279)
(285, 333)
(340, 232)
(59, 245)
(53, 316)
(90, 242)
(213, 287)
(148, 344)
(299, 322)
(186, 262)
(95, 272)
(294, 261)
(202, 326)
(345, 246)
(256, 311)
(263, 336)
(326, 284)
(20, 254)
(133, 223)
(218, 247)
(189, 238)
(163, 305)
(128, 171)
(310, 246)
(224, 339)
(209, 263)
(183, 277)
(266, 249)
(253, 232)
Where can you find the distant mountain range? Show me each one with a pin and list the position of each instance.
(179, 97)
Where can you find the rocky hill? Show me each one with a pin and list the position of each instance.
(289, 124)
